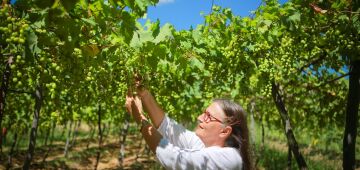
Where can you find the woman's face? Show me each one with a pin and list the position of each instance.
(211, 125)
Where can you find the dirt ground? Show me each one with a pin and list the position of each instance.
(82, 157)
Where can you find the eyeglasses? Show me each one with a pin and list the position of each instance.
(209, 118)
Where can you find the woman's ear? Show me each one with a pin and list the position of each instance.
(226, 131)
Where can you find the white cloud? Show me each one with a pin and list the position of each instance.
(165, 1)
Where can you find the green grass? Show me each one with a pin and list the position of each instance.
(60, 135)
(321, 150)
(274, 159)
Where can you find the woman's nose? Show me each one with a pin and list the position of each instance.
(201, 117)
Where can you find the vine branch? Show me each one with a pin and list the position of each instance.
(20, 91)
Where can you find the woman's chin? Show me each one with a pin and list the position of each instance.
(198, 131)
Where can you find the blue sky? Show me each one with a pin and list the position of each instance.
(185, 13)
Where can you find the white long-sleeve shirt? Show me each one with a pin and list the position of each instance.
(182, 149)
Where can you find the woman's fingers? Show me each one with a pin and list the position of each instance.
(129, 100)
(133, 104)
(138, 104)
(138, 79)
(129, 92)
(139, 84)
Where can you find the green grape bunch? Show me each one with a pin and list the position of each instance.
(13, 33)
(13, 29)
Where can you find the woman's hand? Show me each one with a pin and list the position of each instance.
(134, 106)
(153, 109)
(128, 102)
(140, 87)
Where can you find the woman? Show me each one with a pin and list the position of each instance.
(220, 140)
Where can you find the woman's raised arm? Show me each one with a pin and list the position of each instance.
(151, 106)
